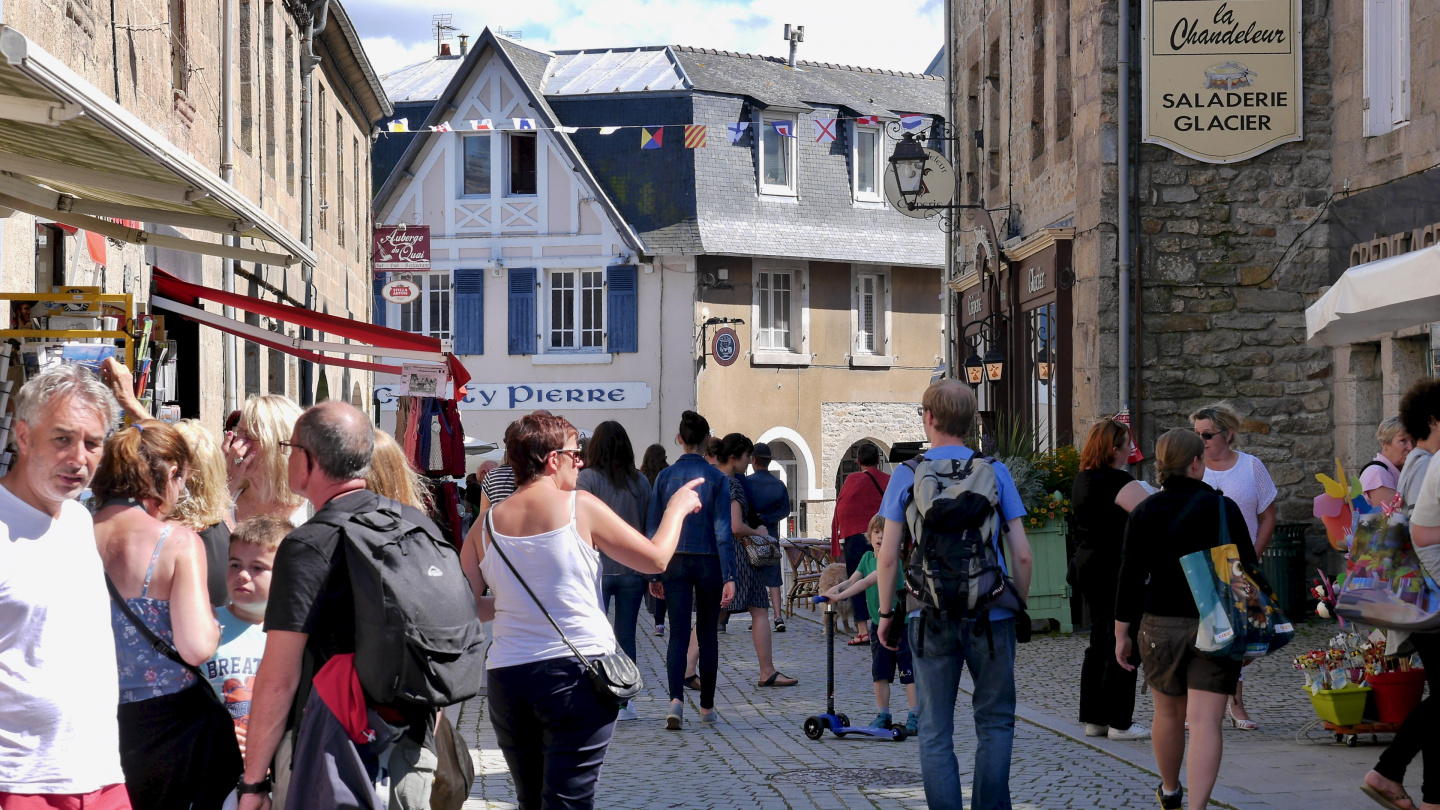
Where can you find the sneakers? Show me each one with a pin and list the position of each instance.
(675, 720)
(709, 718)
(1170, 801)
(660, 629)
(1095, 730)
(882, 720)
(779, 625)
(912, 725)
(1134, 732)
(627, 712)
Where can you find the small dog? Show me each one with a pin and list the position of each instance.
(833, 575)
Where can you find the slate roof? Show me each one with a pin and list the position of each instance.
(424, 81)
(626, 70)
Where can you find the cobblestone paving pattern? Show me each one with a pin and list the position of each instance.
(758, 757)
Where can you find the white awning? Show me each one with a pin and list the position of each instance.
(71, 154)
(1377, 298)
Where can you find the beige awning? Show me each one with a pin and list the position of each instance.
(71, 154)
(1378, 298)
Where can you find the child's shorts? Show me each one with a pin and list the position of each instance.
(884, 661)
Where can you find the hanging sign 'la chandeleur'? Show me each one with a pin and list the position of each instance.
(1221, 78)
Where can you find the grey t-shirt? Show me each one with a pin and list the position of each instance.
(1427, 506)
(631, 503)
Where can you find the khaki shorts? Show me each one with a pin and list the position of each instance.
(1173, 665)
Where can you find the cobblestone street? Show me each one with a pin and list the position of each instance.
(758, 757)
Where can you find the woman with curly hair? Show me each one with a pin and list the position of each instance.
(205, 508)
(257, 460)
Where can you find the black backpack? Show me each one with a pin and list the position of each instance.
(951, 518)
(418, 637)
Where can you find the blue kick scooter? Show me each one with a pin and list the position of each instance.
(839, 724)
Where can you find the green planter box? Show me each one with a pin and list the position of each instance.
(1049, 592)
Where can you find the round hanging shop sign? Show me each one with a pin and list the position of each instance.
(725, 346)
(400, 291)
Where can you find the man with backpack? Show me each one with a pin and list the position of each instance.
(334, 695)
(952, 510)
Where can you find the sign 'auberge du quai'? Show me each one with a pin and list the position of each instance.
(1221, 78)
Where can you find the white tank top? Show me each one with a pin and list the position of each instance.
(564, 572)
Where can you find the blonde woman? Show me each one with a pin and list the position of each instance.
(256, 460)
(204, 505)
(392, 476)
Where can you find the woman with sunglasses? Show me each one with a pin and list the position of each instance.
(177, 747)
(551, 725)
(256, 460)
(1244, 480)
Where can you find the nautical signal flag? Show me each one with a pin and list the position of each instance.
(695, 136)
(911, 121)
(524, 123)
(868, 119)
(783, 128)
(443, 127)
(824, 130)
(567, 130)
(482, 123)
(400, 125)
(609, 130)
(737, 130)
(650, 137)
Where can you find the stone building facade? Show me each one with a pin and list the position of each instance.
(161, 61)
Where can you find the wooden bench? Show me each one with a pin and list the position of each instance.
(807, 557)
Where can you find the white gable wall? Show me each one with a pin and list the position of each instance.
(562, 226)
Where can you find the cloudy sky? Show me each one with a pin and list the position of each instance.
(891, 34)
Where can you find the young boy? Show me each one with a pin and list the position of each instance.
(883, 661)
(231, 672)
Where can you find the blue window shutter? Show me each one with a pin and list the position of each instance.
(469, 311)
(378, 316)
(522, 311)
(623, 308)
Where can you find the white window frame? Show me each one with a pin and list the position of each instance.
(428, 282)
(881, 355)
(509, 175)
(489, 138)
(546, 334)
(878, 195)
(1385, 104)
(788, 144)
(799, 352)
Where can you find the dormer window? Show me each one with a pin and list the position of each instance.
(777, 155)
(866, 160)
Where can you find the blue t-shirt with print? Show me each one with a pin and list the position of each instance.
(1011, 507)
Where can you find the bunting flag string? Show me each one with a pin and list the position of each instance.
(652, 136)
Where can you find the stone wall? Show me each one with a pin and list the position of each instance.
(842, 424)
(1224, 289)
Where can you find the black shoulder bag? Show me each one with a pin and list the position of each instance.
(615, 677)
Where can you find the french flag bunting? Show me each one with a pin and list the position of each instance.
(911, 121)
(737, 130)
(482, 123)
(524, 123)
(868, 119)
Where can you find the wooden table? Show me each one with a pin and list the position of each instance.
(808, 557)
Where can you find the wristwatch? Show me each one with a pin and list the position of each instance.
(887, 615)
(263, 786)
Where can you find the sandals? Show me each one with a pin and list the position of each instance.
(1389, 802)
(775, 680)
(693, 682)
(859, 639)
(1243, 725)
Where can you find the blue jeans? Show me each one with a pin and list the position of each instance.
(628, 591)
(939, 652)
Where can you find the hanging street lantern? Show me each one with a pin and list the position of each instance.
(1042, 365)
(994, 365)
(908, 162)
(974, 369)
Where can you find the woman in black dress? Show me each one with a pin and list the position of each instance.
(1103, 496)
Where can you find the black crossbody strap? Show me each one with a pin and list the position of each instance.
(495, 544)
(158, 644)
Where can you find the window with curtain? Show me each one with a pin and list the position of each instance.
(867, 163)
(868, 292)
(773, 330)
(777, 157)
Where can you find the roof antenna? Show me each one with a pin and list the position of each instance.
(441, 24)
(794, 35)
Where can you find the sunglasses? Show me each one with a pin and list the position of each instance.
(1208, 436)
(294, 446)
(920, 411)
(572, 452)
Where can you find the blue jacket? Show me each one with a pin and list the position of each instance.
(768, 498)
(706, 531)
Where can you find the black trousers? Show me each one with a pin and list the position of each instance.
(693, 579)
(855, 547)
(1107, 690)
(1418, 734)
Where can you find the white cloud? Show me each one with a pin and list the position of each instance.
(890, 34)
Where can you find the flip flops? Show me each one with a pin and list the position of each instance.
(774, 680)
(1390, 802)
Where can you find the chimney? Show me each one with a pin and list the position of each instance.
(794, 35)
(444, 49)
(464, 44)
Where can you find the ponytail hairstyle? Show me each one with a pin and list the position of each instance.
(1176, 451)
